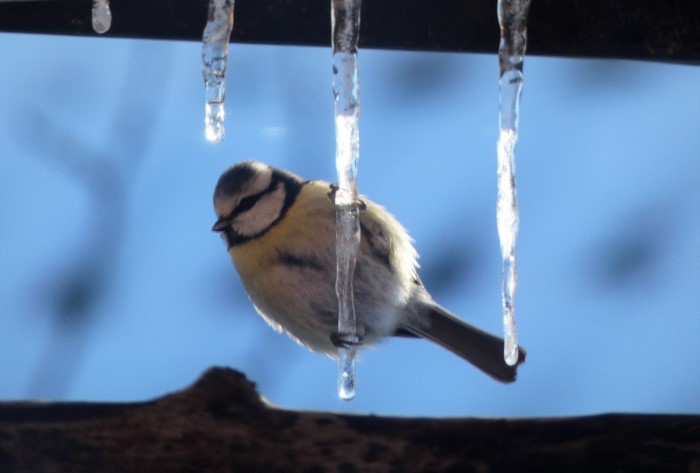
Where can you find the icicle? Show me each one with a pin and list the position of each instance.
(101, 16)
(508, 221)
(512, 17)
(215, 56)
(347, 233)
(345, 25)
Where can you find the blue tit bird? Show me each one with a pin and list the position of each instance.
(280, 232)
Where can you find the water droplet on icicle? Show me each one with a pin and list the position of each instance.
(346, 374)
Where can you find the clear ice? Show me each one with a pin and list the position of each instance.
(345, 26)
(347, 232)
(512, 18)
(101, 16)
(214, 57)
(508, 221)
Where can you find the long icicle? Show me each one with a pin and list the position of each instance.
(512, 17)
(345, 25)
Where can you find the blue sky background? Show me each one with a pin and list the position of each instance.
(113, 287)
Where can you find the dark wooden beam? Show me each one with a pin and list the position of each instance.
(666, 30)
(220, 424)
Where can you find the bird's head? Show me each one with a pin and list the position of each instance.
(250, 198)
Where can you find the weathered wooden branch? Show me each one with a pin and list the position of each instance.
(221, 424)
(665, 30)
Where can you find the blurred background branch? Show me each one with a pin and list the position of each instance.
(665, 30)
(106, 174)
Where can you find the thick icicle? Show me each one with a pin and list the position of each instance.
(215, 56)
(101, 16)
(512, 17)
(345, 25)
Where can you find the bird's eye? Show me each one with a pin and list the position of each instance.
(247, 203)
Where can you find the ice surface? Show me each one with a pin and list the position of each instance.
(508, 221)
(346, 374)
(345, 25)
(512, 17)
(347, 231)
(214, 57)
(101, 16)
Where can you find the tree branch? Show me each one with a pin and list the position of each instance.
(221, 424)
(667, 30)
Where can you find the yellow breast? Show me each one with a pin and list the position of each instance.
(285, 271)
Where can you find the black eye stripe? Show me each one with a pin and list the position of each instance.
(247, 203)
(291, 186)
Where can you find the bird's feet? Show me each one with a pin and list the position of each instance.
(346, 340)
(334, 189)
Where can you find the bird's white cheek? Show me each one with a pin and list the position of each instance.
(262, 215)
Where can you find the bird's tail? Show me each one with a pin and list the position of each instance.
(483, 350)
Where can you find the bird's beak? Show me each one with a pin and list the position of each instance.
(220, 225)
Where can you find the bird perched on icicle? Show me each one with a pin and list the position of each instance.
(280, 232)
